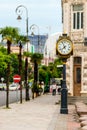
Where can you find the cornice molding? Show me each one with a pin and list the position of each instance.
(73, 1)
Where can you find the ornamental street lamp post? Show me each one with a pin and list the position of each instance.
(8, 74)
(20, 69)
(19, 12)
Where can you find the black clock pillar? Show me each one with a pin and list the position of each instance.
(64, 109)
(64, 49)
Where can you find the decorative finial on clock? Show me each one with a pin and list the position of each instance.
(64, 33)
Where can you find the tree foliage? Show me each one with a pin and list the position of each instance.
(10, 33)
(13, 34)
(50, 71)
(45, 72)
(36, 57)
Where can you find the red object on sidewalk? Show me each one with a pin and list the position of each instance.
(16, 78)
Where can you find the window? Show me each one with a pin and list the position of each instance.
(77, 16)
(77, 60)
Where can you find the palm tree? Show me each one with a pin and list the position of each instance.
(10, 35)
(36, 59)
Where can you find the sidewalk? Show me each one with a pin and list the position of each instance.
(39, 114)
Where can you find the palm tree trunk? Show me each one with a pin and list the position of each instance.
(26, 78)
(36, 75)
(35, 72)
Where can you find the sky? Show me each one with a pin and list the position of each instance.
(46, 14)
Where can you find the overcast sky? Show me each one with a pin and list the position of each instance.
(45, 14)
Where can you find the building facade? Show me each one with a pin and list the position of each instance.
(38, 41)
(74, 18)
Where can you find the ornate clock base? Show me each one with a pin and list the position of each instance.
(64, 109)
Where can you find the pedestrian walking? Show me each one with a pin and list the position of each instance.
(42, 85)
(54, 87)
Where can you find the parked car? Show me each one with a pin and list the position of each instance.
(14, 87)
(2, 86)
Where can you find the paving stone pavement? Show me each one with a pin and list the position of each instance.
(42, 113)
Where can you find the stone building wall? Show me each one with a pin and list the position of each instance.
(77, 37)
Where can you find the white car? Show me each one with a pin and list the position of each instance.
(14, 86)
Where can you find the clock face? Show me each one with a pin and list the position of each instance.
(64, 47)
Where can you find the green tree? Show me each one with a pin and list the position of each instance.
(4, 60)
(14, 69)
(36, 59)
(3, 65)
(50, 71)
(14, 64)
(11, 35)
(43, 71)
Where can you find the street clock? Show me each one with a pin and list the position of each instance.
(64, 47)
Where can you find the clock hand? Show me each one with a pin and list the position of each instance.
(64, 47)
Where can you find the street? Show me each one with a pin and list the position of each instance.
(42, 113)
(14, 96)
(37, 114)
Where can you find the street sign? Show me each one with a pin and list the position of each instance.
(16, 78)
(59, 66)
(2, 79)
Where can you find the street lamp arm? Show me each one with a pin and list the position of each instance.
(32, 27)
(19, 11)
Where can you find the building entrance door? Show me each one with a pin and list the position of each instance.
(77, 76)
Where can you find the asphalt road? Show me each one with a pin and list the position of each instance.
(14, 96)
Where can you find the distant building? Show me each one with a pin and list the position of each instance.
(28, 46)
(38, 41)
(36, 44)
(14, 49)
(50, 48)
